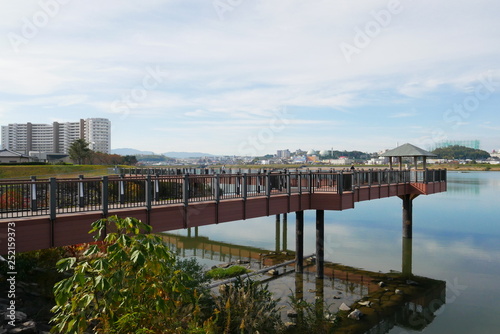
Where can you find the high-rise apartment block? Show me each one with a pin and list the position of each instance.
(57, 137)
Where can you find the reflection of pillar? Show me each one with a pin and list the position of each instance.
(189, 232)
(407, 233)
(320, 297)
(285, 230)
(299, 241)
(299, 294)
(407, 256)
(320, 243)
(196, 231)
(278, 233)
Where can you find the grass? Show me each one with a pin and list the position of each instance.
(222, 273)
(46, 171)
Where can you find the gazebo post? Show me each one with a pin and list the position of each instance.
(416, 162)
(400, 163)
(390, 162)
(425, 163)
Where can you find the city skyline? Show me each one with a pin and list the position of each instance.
(253, 77)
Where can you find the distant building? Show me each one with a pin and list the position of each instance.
(57, 137)
(8, 156)
(283, 154)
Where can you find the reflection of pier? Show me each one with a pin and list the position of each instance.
(415, 309)
(205, 248)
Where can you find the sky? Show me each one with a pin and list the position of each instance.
(249, 77)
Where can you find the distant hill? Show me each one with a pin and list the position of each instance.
(129, 151)
(183, 155)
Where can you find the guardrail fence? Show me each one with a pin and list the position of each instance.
(53, 196)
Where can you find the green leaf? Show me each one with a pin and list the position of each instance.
(65, 264)
(138, 257)
(91, 250)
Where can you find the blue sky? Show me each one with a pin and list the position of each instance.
(250, 77)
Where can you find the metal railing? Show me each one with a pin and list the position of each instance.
(57, 196)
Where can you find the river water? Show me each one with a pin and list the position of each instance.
(456, 238)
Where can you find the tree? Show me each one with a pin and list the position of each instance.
(131, 286)
(460, 152)
(79, 151)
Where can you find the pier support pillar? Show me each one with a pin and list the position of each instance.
(299, 241)
(278, 233)
(285, 232)
(320, 243)
(407, 233)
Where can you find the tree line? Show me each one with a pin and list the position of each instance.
(80, 153)
(460, 153)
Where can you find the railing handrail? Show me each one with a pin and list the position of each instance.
(41, 197)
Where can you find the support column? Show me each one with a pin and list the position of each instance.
(278, 233)
(320, 243)
(285, 232)
(299, 241)
(407, 234)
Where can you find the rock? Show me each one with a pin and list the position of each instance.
(273, 272)
(28, 327)
(242, 262)
(410, 282)
(365, 303)
(337, 297)
(344, 307)
(18, 316)
(356, 314)
(399, 292)
(381, 284)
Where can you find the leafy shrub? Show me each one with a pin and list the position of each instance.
(233, 271)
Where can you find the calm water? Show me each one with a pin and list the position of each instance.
(456, 238)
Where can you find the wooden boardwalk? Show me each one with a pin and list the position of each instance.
(191, 200)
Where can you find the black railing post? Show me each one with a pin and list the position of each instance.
(299, 182)
(217, 188)
(149, 192)
(33, 194)
(340, 183)
(185, 189)
(157, 187)
(238, 184)
(268, 184)
(288, 183)
(81, 194)
(121, 190)
(104, 199)
(52, 208)
(244, 187)
(53, 198)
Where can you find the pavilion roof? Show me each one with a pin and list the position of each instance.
(408, 150)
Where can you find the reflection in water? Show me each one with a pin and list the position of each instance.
(414, 309)
(407, 256)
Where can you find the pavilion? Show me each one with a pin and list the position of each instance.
(408, 150)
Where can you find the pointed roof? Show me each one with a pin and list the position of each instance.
(9, 153)
(408, 150)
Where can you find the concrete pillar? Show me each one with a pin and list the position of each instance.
(320, 297)
(407, 234)
(299, 241)
(278, 233)
(320, 243)
(285, 232)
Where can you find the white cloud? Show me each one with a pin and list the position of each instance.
(264, 55)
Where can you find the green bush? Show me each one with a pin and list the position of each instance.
(220, 273)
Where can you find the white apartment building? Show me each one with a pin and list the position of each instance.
(57, 137)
